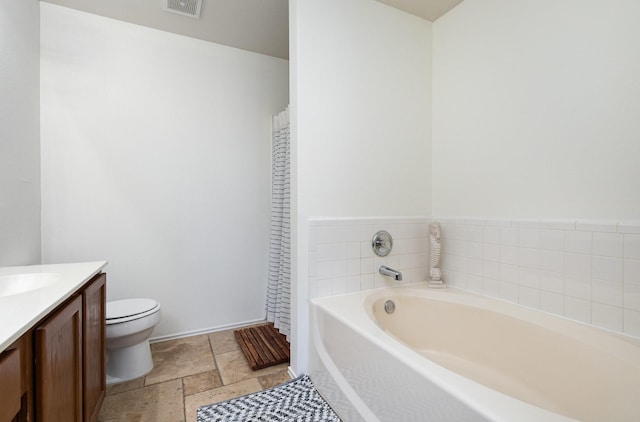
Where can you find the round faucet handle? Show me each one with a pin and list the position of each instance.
(382, 243)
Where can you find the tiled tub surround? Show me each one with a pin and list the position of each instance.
(341, 259)
(584, 270)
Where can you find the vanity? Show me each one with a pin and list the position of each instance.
(52, 342)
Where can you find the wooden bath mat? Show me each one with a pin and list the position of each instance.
(263, 346)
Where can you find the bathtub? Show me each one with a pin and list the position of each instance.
(448, 355)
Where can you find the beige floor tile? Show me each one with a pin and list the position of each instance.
(233, 367)
(223, 342)
(156, 403)
(201, 382)
(185, 377)
(125, 386)
(276, 378)
(192, 402)
(179, 358)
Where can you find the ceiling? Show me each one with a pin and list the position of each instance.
(426, 9)
(261, 26)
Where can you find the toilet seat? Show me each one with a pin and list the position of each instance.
(119, 311)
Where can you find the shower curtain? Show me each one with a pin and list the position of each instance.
(279, 288)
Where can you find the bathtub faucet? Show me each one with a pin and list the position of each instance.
(390, 272)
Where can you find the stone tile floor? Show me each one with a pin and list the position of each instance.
(188, 373)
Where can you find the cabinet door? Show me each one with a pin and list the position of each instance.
(94, 380)
(24, 347)
(58, 368)
(9, 385)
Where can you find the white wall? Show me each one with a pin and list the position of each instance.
(156, 156)
(363, 110)
(535, 109)
(361, 126)
(19, 133)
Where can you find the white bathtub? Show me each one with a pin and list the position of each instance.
(447, 355)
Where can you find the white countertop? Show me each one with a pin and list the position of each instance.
(20, 312)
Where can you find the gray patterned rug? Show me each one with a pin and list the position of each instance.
(295, 401)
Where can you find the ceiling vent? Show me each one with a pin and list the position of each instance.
(189, 8)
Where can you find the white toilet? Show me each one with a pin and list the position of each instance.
(130, 323)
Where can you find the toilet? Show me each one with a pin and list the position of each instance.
(130, 323)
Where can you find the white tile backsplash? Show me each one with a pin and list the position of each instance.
(509, 273)
(607, 292)
(577, 265)
(629, 227)
(529, 297)
(552, 302)
(632, 298)
(341, 259)
(490, 287)
(581, 269)
(508, 236)
(497, 222)
(578, 309)
(606, 316)
(597, 226)
(491, 269)
(551, 281)
(577, 287)
(558, 224)
(509, 255)
(474, 250)
(529, 238)
(491, 234)
(474, 283)
(578, 242)
(528, 257)
(632, 246)
(529, 277)
(551, 261)
(631, 271)
(509, 291)
(490, 252)
(475, 233)
(526, 224)
(608, 244)
(552, 240)
(607, 268)
(631, 322)
(474, 266)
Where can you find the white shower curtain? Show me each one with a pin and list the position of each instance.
(279, 288)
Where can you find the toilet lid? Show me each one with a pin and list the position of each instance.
(129, 307)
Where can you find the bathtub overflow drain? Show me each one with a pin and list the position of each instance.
(389, 306)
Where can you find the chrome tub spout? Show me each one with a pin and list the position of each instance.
(390, 272)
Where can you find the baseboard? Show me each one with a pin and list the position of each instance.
(205, 331)
(292, 373)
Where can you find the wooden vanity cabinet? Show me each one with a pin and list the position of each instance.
(56, 372)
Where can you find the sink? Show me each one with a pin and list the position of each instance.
(21, 283)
